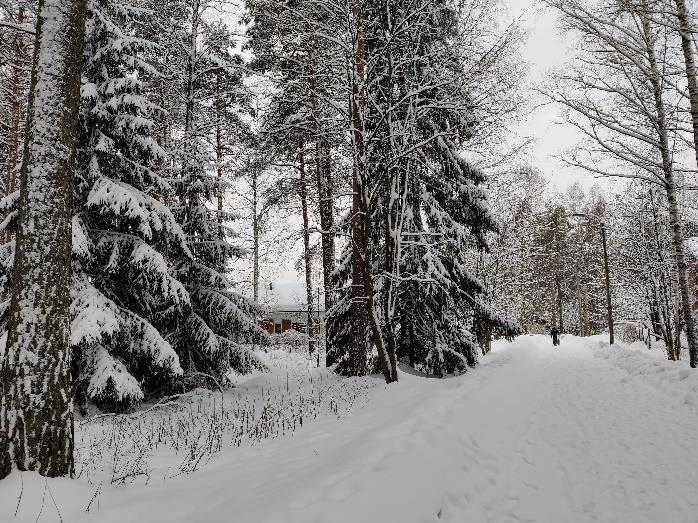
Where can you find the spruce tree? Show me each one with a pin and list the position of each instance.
(124, 300)
(211, 339)
(423, 207)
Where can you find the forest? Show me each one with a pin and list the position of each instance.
(163, 162)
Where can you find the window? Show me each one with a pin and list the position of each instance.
(277, 328)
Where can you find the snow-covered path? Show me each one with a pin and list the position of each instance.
(563, 436)
(534, 434)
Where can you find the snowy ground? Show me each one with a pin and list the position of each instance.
(581, 433)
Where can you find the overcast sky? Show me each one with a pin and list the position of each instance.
(545, 51)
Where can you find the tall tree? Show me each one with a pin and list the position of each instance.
(420, 205)
(208, 339)
(293, 46)
(123, 233)
(36, 424)
(17, 57)
(628, 110)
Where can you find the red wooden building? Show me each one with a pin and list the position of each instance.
(286, 317)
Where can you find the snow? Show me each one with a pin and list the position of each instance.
(580, 433)
(107, 368)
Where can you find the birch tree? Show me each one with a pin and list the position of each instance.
(36, 424)
(621, 97)
(647, 285)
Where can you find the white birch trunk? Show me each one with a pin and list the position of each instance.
(36, 421)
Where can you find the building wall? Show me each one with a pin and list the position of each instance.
(280, 322)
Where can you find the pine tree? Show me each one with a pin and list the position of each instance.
(292, 46)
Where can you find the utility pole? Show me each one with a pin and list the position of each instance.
(608, 284)
(609, 305)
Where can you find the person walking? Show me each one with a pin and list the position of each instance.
(555, 334)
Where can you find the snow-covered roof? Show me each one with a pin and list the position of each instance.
(287, 297)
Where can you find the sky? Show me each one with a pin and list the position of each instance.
(545, 51)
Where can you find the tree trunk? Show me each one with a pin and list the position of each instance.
(255, 235)
(36, 424)
(16, 72)
(607, 273)
(327, 222)
(393, 216)
(191, 65)
(689, 61)
(559, 305)
(580, 302)
(670, 185)
(585, 309)
(306, 248)
(323, 175)
(358, 352)
(219, 153)
(362, 261)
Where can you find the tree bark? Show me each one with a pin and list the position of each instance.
(362, 258)
(392, 229)
(323, 175)
(327, 221)
(358, 352)
(218, 104)
(580, 301)
(585, 309)
(255, 233)
(559, 304)
(191, 65)
(15, 110)
(689, 60)
(36, 425)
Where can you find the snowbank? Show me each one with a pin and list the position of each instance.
(675, 378)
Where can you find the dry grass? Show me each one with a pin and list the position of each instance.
(183, 433)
